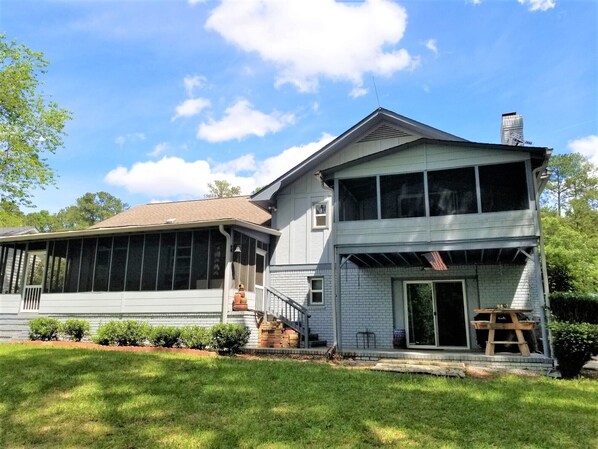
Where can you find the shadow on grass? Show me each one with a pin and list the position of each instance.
(59, 397)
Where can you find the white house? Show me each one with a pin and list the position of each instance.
(394, 228)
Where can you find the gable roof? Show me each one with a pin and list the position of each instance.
(538, 154)
(374, 126)
(183, 212)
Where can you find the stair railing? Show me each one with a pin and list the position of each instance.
(290, 312)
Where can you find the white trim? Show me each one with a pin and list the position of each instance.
(312, 290)
(315, 215)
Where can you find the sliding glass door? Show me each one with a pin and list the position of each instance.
(436, 315)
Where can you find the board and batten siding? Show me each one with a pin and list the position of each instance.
(179, 301)
(431, 157)
(299, 243)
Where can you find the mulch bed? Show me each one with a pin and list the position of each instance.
(88, 345)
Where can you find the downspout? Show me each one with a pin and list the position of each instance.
(227, 273)
(333, 264)
(545, 315)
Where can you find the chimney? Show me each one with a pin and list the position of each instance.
(511, 130)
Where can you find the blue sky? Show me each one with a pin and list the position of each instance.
(170, 95)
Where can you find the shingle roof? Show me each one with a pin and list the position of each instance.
(233, 208)
(17, 231)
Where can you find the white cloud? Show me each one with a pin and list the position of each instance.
(432, 46)
(309, 39)
(358, 91)
(196, 2)
(173, 177)
(587, 146)
(192, 82)
(191, 107)
(129, 138)
(539, 5)
(159, 149)
(241, 120)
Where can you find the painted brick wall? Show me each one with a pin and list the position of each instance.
(368, 301)
(294, 282)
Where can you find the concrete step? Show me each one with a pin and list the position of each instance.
(443, 370)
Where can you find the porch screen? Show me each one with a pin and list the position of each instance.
(358, 199)
(452, 192)
(503, 187)
(403, 195)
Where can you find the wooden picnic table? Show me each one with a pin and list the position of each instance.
(515, 325)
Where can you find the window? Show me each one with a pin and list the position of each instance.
(358, 199)
(316, 291)
(503, 187)
(320, 215)
(452, 192)
(402, 195)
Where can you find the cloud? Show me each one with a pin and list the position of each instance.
(173, 177)
(539, 5)
(309, 39)
(358, 91)
(191, 107)
(587, 146)
(159, 149)
(196, 2)
(129, 138)
(432, 46)
(192, 82)
(242, 120)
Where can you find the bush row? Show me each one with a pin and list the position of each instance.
(574, 307)
(223, 338)
(47, 329)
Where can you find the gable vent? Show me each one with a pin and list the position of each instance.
(384, 132)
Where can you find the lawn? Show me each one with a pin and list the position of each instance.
(74, 398)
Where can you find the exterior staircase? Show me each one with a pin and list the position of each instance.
(291, 314)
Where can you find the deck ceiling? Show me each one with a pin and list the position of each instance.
(487, 256)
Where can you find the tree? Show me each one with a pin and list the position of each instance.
(90, 209)
(572, 177)
(222, 189)
(30, 125)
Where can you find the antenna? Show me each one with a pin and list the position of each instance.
(376, 90)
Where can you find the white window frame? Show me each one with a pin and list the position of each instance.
(315, 215)
(312, 290)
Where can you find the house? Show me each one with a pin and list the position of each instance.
(394, 228)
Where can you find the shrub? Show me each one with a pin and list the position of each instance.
(195, 337)
(228, 339)
(166, 336)
(122, 333)
(44, 328)
(573, 344)
(76, 329)
(574, 307)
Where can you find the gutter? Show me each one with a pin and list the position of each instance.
(227, 273)
(333, 264)
(545, 316)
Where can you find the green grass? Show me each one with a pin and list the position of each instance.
(74, 398)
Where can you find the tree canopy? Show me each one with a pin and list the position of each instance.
(30, 125)
(222, 189)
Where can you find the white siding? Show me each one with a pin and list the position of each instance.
(10, 303)
(181, 301)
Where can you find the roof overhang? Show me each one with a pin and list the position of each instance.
(450, 253)
(140, 229)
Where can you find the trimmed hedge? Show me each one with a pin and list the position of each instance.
(122, 333)
(195, 337)
(573, 345)
(76, 329)
(44, 328)
(165, 336)
(227, 339)
(574, 307)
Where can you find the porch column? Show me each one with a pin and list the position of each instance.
(541, 297)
